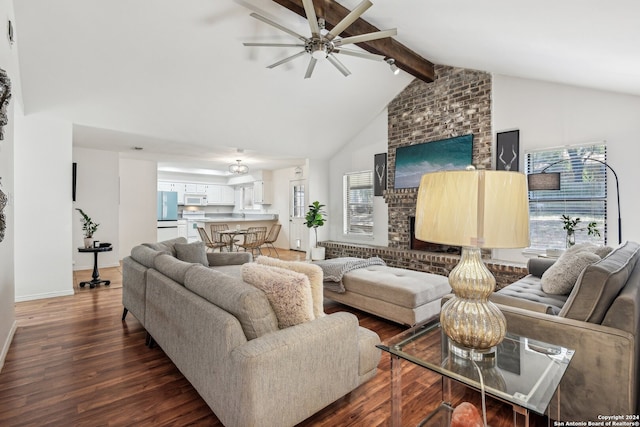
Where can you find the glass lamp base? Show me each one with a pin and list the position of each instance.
(469, 318)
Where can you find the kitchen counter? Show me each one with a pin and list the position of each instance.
(239, 218)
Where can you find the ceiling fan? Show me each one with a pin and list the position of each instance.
(323, 44)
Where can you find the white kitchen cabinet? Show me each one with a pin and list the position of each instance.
(180, 189)
(218, 194)
(228, 195)
(165, 186)
(191, 188)
(262, 192)
(214, 194)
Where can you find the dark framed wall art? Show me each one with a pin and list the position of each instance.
(508, 151)
(380, 176)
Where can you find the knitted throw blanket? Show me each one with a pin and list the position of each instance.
(334, 269)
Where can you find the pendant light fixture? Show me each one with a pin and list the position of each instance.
(238, 168)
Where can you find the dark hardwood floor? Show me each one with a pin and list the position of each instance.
(73, 362)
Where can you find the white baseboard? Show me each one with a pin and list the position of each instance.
(43, 296)
(7, 344)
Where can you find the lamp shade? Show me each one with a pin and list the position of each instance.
(544, 181)
(473, 208)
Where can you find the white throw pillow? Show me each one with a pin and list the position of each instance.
(288, 292)
(312, 271)
(562, 275)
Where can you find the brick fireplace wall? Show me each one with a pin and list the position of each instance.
(456, 103)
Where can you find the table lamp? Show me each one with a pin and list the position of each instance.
(473, 209)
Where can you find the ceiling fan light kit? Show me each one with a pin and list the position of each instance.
(394, 68)
(324, 45)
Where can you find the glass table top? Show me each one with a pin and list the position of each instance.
(521, 371)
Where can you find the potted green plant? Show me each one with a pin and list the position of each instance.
(571, 224)
(88, 228)
(315, 218)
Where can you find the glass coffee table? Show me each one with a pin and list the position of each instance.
(522, 372)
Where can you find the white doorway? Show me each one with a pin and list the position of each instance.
(298, 232)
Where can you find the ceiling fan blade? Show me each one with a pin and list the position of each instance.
(349, 19)
(290, 58)
(310, 11)
(338, 65)
(312, 65)
(274, 44)
(367, 37)
(278, 26)
(365, 55)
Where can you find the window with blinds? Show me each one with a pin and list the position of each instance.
(358, 203)
(582, 194)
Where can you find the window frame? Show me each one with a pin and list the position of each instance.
(348, 228)
(589, 203)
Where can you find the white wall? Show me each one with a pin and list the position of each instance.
(97, 194)
(552, 115)
(43, 247)
(8, 62)
(318, 172)
(358, 156)
(138, 188)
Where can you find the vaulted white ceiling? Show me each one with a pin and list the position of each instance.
(173, 77)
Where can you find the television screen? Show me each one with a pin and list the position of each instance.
(413, 161)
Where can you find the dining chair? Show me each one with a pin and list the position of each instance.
(272, 237)
(207, 241)
(222, 237)
(253, 239)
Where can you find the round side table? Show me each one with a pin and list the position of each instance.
(96, 274)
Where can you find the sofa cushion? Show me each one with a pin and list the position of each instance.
(562, 275)
(600, 283)
(145, 255)
(527, 293)
(601, 251)
(166, 245)
(195, 252)
(172, 267)
(245, 302)
(312, 271)
(288, 292)
(229, 270)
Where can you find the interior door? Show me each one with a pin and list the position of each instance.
(298, 232)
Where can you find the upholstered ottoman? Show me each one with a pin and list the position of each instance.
(403, 296)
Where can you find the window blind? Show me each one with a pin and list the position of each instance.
(358, 203)
(582, 194)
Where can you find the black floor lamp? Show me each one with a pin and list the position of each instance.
(551, 181)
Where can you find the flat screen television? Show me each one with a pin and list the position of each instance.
(413, 161)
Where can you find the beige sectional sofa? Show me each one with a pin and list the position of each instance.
(223, 335)
(599, 319)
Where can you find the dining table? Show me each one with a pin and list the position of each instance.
(232, 233)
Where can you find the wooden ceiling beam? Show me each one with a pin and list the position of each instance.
(332, 12)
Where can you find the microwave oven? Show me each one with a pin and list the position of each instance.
(195, 199)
